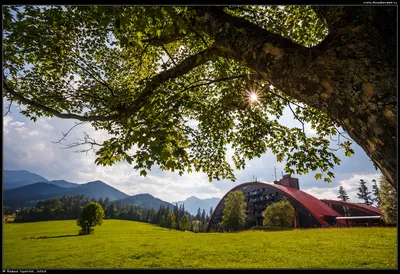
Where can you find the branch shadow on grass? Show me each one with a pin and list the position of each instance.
(52, 237)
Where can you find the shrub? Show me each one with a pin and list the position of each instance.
(280, 214)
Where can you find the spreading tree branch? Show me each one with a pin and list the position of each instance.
(66, 134)
(52, 111)
(8, 108)
(87, 140)
(181, 69)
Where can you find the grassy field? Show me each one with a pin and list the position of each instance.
(127, 244)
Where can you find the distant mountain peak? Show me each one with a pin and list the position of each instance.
(18, 178)
(146, 201)
(192, 204)
(144, 194)
(97, 181)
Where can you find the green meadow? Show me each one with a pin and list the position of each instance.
(128, 244)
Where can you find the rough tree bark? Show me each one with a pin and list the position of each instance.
(351, 75)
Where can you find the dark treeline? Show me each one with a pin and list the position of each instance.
(70, 207)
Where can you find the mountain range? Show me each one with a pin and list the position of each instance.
(17, 178)
(21, 187)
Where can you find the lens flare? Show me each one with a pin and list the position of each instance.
(253, 97)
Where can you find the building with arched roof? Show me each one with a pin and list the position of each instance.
(347, 209)
(309, 211)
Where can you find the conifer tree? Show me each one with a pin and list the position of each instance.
(162, 221)
(375, 191)
(198, 215)
(363, 193)
(343, 194)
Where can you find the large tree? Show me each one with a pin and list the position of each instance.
(234, 213)
(176, 86)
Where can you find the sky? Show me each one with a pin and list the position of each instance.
(30, 146)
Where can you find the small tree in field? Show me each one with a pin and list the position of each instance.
(280, 214)
(92, 215)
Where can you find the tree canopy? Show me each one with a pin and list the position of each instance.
(92, 214)
(176, 86)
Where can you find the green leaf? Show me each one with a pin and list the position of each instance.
(143, 173)
(318, 176)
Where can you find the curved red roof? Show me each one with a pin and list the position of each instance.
(316, 207)
(363, 207)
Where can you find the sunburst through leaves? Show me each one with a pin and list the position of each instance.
(252, 97)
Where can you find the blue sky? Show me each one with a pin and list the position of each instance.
(29, 145)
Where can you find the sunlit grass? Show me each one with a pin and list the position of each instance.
(127, 244)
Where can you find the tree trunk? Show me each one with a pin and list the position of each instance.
(351, 75)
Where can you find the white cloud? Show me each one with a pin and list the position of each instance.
(33, 133)
(17, 124)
